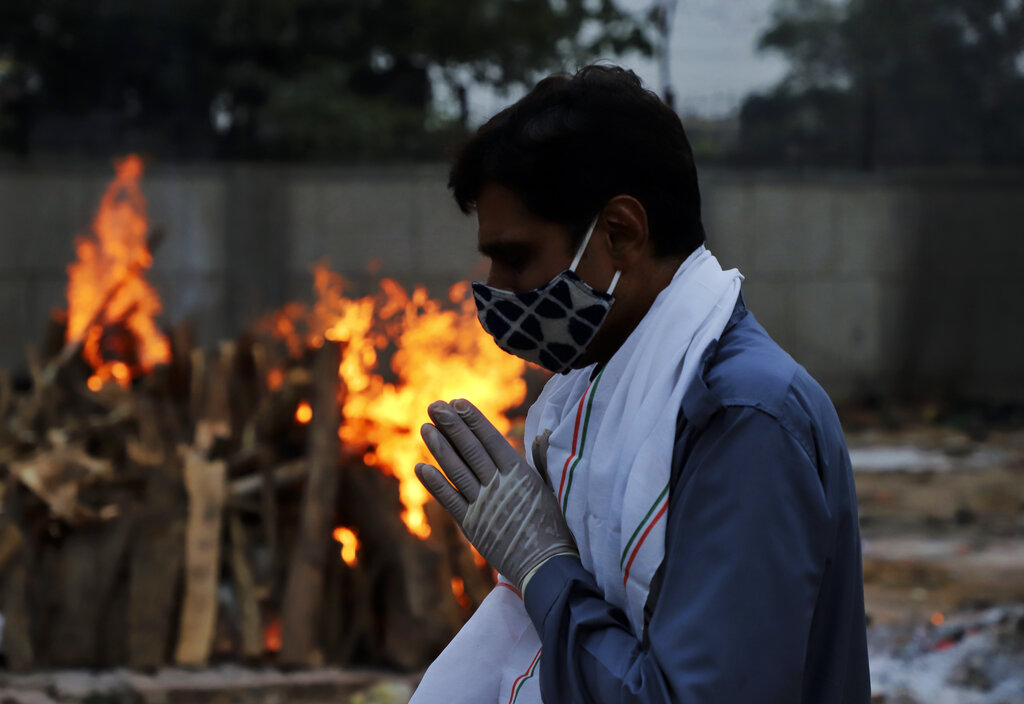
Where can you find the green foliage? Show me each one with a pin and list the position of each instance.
(814, 126)
(277, 78)
(893, 82)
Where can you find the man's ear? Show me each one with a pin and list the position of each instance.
(625, 222)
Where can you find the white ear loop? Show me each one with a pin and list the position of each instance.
(583, 247)
(615, 280)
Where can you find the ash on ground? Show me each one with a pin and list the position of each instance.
(974, 657)
(942, 526)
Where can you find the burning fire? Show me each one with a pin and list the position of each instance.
(459, 590)
(304, 413)
(275, 380)
(107, 286)
(437, 352)
(272, 636)
(349, 544)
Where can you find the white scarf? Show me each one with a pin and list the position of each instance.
(609, 460)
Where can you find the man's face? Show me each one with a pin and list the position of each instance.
(525, 252)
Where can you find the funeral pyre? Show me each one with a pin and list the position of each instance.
(165, 503)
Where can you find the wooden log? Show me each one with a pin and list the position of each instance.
(274, 419)
(246, 388)
(245, 592)
(213, 402)
(159, 384)
(158, 551)
(420, 612)
(179, 371)
(402, 584)
(89, 562)
(155, 573)
(23, 424)
(368, 502)
(304, 588)
(205, 483)
(197, 385)
(272, 533)
(57, 475)
(6, 393)
(266, 478)
(282, 475)
(350, 612)
(11, 542)
(249, 459)
(114, 625)
(355, 625)
(18, 646)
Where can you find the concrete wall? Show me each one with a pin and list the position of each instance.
(877, 285)
(883, 286)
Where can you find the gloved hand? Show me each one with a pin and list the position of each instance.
(503, 506)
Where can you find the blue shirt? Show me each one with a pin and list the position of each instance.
(760, 596)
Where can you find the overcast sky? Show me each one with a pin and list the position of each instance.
(714, 63)
(714, 58)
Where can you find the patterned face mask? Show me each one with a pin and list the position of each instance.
(551, 325)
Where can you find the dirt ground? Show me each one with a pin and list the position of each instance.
(942, 520)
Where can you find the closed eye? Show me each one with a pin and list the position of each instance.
(510, 256)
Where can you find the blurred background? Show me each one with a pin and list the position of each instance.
(208, 207)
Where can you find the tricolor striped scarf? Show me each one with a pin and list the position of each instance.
(609, 461)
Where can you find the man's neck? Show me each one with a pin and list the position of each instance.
(649, 280)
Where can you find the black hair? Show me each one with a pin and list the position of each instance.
(576, 141)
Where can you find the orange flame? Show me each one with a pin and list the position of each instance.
(349, 544)
(275, 379)
(459, 590)
(304, 413)
(106, 285)
(438, 352)
(272, 636)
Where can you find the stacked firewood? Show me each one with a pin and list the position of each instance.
(187, 518)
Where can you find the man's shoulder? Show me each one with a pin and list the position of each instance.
(747, 368)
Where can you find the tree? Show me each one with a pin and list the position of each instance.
(277, 78)
(893, 82)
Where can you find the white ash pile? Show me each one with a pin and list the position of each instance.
(971, 658)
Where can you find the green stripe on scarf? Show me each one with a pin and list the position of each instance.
(583, 439)
(643, 522)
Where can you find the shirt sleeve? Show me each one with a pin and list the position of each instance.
(746, 545)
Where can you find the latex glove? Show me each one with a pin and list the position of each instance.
(502, 505)
(539, 452)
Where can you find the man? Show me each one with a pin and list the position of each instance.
(687, 531)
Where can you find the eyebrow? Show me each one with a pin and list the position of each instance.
(503, 250)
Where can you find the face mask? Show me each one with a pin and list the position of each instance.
(551, 325)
